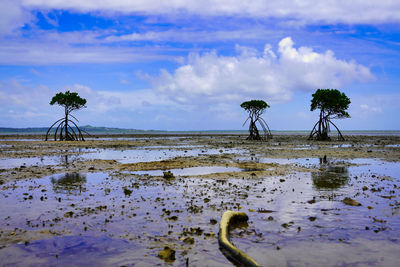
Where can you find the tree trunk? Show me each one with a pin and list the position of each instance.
(67, 137)
(254, 133)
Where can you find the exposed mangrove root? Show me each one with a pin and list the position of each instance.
(233, 252)
(254, 134)
(65, 132)
(321, 132)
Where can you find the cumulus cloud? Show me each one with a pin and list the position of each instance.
(331, 11)
(270, 75)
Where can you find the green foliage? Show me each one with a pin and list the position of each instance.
(255, 106)
(331, 102)
(71, 101)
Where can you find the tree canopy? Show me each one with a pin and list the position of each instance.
(331, 102)
(255, 106)
(70, 101)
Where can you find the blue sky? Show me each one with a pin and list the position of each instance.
(188, 65)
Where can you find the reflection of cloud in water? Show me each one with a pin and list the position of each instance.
(69, 182)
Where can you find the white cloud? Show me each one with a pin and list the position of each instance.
(52, 48)
(189, 35)
(12, 16)
(209, 77)
(16, 13)
(342, 11)
(37, 53)
(365, 107)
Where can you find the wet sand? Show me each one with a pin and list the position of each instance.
(107, 198)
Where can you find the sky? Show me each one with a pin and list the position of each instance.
(188, 65)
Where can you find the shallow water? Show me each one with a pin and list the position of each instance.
(140, 154)
(7, 163)
(191, 171)
(298, 219)
(148, 155)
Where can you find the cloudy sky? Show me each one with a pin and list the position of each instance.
(188, 65)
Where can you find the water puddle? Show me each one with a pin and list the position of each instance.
(299, 161)
(359, 165)
(22, 139)
(7, 163)
(342, 146)
(397, 145)
(148, 155)
(191, 171)
(134, 138)
(123, 156)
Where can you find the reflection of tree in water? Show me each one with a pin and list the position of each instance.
(64, 160)
(68, 183)
(330, 176)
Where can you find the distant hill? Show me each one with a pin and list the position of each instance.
(87, 128)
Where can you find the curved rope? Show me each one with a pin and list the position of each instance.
(223, 238)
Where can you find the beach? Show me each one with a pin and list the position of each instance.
(121, 199)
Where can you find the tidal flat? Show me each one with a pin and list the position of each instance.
(121, 200)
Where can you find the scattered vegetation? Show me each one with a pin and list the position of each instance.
(333, 105)
(70, 102)
(168, 175)
(256, 108)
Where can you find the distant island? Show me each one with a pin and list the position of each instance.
(87, 128)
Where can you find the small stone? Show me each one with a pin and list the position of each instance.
(173, 218)
(168, 175)
(189, 240)
(351, 202)
(68, 214)
(127, 191)
(167, 254)
(312, 201)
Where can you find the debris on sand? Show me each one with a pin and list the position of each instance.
(351, 202)
(167, 254)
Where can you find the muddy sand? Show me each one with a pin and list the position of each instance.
(110, 201)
